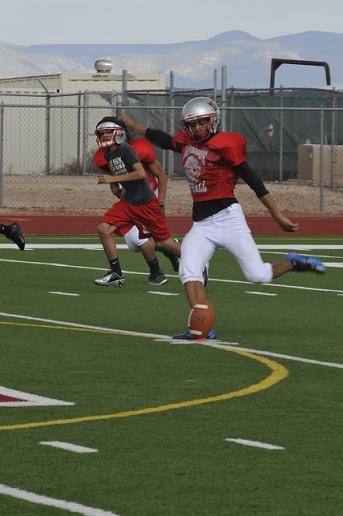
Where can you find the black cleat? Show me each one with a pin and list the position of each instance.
(157, 279)
(13, 232)
(110, 279)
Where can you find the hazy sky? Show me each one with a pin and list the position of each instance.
(28, 22)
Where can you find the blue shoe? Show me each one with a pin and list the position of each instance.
(302, 263)
(188, 336)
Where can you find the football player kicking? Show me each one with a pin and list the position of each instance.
(213, 161)
(157, 179)
(138, 205)
(13, 232)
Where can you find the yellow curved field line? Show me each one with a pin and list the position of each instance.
(278, 373)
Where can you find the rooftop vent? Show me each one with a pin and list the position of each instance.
(103, 66)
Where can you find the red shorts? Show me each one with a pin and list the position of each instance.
(147, 217)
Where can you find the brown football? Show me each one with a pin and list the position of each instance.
(201, 319)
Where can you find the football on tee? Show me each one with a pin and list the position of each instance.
(201, 320)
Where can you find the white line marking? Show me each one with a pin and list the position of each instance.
(68, 266)
(163, 293)
(68, 446)
(331, 256)
(29, 400)
(260, 293)
(98, 247)
(88, 247)
(225, 345)
(255, 444)
(53, 502)
(300, 247)
(241, 282)
(63, 293)
(216, 344)
(116, 331)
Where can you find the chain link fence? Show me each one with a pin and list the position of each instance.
(295, 143)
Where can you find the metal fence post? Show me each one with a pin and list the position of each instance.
(281, 137)
(78, 142)
(124, 80)
(215, 85)
(333, 141)
(147, 112)
(321, 162)
(164, 128)
(2, 116)
(232, 98)
(47, 134)
(85, 132)
(172, 124)
(224, 83)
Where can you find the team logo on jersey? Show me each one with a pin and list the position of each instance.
(117, 166)
(193, 161)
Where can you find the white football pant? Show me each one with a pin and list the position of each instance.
(226, 229)
(132, 239)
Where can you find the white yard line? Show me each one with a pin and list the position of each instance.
(98, 247)
(260, 293)
(69, 447)
(216, 344)
(77, 508)
(88, 247)
(270, 285)
(62, 293)
(255, 444)
(163, 293)
(300, 247)
(116, 331)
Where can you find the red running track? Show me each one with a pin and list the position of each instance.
(57, 224)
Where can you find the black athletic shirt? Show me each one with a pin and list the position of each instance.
(121, 161)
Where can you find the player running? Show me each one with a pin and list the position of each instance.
(138, 205)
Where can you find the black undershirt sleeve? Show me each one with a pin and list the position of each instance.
(160, 138)
(250, 177)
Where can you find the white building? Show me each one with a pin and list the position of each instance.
(102, 79)
(53, 117)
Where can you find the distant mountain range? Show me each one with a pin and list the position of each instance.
(247, 59)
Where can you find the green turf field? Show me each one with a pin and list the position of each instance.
(156, 417)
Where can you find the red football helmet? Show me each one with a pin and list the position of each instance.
(108, 132)
(200, 118)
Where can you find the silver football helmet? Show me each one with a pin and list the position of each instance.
(197, 109)
(107, 133)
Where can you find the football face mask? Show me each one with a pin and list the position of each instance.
(109, 133)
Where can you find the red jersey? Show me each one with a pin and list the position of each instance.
(145, 153)
(208, 165)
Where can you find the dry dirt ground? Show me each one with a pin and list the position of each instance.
(76, 195)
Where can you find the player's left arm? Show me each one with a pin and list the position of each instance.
(157, 170)
(135, 174)
(249, 176)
